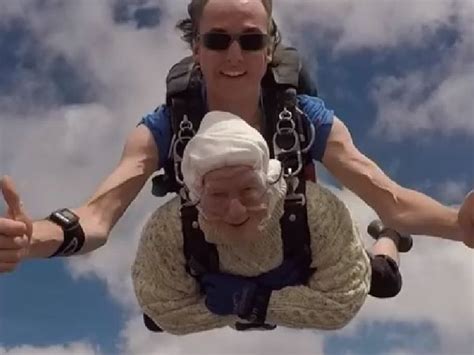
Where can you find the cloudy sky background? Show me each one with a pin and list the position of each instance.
(76, 76)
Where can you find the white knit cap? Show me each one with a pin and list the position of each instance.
(224, 139)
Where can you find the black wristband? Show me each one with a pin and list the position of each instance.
(73, 242)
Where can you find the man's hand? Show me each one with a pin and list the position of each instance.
(15, 229)
(466, 220)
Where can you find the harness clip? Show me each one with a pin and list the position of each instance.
(297, 199)
(184, 135)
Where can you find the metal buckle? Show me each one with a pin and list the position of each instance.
(286, 127)
(185, 198)
(298, 199)
(185, 133)
(312, 133)
(291, 196)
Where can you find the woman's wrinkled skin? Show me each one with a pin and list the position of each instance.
(235, 202)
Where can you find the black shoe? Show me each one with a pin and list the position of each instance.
(376, 229)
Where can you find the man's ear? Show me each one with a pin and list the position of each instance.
(269, 54)
(195, 49)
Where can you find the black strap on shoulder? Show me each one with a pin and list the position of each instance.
(286, 72)
(294, 223)
(295, 230)
(201, 256)
(288, 69)
(184, 93)
(184, 97)
(180, 78)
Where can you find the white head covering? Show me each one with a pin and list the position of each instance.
(224, 139)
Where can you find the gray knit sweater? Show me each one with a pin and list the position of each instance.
(332, 297)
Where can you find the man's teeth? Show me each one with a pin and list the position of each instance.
(233, 74)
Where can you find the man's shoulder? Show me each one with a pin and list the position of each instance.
(315, 108)
(162, 112)
(310, 103)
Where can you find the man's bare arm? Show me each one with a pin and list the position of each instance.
(100, 213)
(404, 209)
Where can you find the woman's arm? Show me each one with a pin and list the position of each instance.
(165, 291)
(341, 282)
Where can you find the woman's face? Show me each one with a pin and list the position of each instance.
(233, 70)
(234, 201)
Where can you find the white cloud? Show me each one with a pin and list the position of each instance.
(371, 24)
(224, 341)
(438, 284)
(77, 146)
(59, 154)
(453, 190)
(431, 99)
(405, 110)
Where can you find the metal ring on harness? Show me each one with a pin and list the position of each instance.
(285, 117)
(286, 127)
(185, 134)
(295, 149)
(186, 124)
(178, 158)
(312, 132)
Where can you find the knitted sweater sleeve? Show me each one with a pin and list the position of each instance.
(164, 290)
(340, 284)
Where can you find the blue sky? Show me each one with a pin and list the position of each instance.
(75, 77)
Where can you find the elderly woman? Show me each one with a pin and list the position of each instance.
(239, 193)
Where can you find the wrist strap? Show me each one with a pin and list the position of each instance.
(74, 239)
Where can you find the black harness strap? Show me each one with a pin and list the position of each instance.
(201, 256)
(184, 97)
(294, 223)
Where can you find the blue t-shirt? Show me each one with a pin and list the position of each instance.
(159, 123)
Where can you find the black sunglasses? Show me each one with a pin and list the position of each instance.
(219, 41)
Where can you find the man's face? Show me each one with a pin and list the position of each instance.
(234, 201)
(232, 70)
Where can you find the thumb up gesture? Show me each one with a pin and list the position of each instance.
(15, 228)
